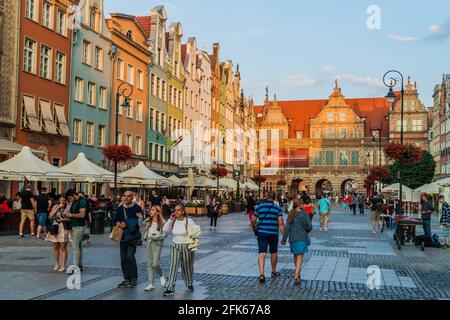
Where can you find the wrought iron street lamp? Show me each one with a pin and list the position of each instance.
(124, 90)
(395, 78)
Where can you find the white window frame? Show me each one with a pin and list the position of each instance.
(47, 7)
(140, 80)
(330, 117)
(87, 52)
(138, 145)
(103, 98)
(79, 90)
(129, 140)
(61, 24)
(130, 110)
(77, 133)
(29, 58)
(92, 94)
(101, 136)
(120, 71)
(45, 62)
(32, 10)
(99, 58)
(130, 74)
(139, 111)
(90, 136)
(60, 67)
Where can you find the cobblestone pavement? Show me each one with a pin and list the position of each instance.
(225, 267)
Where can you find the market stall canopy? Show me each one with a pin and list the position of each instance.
(443, 182)
(85, 170)
(228, 183)
(431, 188)
(144, 176)
(396, 187)
(202, 182)
(175, 179)
(250, 185)
(7, 146)
(27, 165)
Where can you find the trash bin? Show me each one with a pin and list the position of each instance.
(98, 222)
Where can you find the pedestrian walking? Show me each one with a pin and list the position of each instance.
(354, 203)
(214, 214)
(88, 217)
(183, 230)
(308, 207)
(336, 200)
(361, 204)
(345, 202)
(59, 234)
(28, 210)
(445, 220)
(297, 228)
(268, 222)
(127, 219)
(426, 211)
(43, 206)
(154, 237)
(324, 211)
(250, 207)
(376, 217)
(77, 216)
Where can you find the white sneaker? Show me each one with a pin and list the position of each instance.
(163, 281)
(150, 287)
(326, 230)
(321, 229)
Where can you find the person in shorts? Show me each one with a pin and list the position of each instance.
(376, 218)
(43, 205)
(324, 205)
(268, 220)
(28, 210)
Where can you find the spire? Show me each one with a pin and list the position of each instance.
(275, 98)
(336, 84)
(336, 97)
(267, 95)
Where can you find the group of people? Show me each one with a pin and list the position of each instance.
(352, 201)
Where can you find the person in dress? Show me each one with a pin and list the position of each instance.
(297, 228)
(63, 235)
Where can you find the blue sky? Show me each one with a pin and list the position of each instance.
(298, 47)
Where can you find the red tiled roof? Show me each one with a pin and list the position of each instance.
(374, 110)
(146, 24)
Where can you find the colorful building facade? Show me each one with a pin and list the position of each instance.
(90, 98)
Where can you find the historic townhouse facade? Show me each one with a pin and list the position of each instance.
(90, 99)
(44, 78)
(176, 98)
(9, 48)
(320, 145)
(415, 118)
(130, 62)
(435, 128)
(215, 104)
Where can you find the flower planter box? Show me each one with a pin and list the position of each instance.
(224, 208)
(191, 211)
(196, 211)
(201, 211)
(236, 207)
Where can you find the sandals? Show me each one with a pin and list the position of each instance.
(297, 281)
(62, 269)
(275, 274)
(262, 278)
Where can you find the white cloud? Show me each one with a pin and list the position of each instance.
(361, 81)
(439, 31)
(435, 28)
(299, 80)
(329, 69)
(399, 38)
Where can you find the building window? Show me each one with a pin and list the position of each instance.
(130, 74)
(61, 23)
(99, 58)
(355, 158)
(60, 67)
(330, 117)
(417, 125)
(343, 158)
(150, 151)
(87, 56)
(119, 138)
(163, 122)
(138, 146)
(330, 133)
(120, 69)
(29, 64)
(129, 140)
(90, 133)
(92, 90)
(399, 125)
(31, 10)
(79, 90)
(129, 34)
(157, 122)
(45, 65)
(101, 143)
(318, 155)
(152, 90)
(47, 15)
(140, 80)
(93, 20)
(103, 96)
(77, 131)
(152, 125)
(342, 116)
(342, 133)
(158, 87)
(163, 90)
(170, 95)
(329, 158)
(161, 149)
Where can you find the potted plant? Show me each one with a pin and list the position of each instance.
(196, 208)
(120, 153)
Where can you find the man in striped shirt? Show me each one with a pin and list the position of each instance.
(269, 222)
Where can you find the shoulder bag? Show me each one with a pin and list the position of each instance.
(117, 233)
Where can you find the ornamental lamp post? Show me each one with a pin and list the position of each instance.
(396, 78)
(124, 90)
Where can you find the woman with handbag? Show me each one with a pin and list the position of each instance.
(127, 219)
(154, 236)
(297, 228)
(59, 233)
(214, 214)
(179, 225)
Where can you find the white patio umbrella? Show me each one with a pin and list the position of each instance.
(250, 185)
(87, 171)
(26, 165)
(144, 176)
(431, 188)
(443, 182)
(176, 180)
(201, 182)
(228, 183)
(395, 187)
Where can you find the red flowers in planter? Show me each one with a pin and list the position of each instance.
(117, 153)
(261, 179)
(219, 172)
(404, 153)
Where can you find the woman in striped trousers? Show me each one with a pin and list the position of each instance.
(180, 253)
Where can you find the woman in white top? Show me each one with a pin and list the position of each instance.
(154, 236)
(180, 253)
